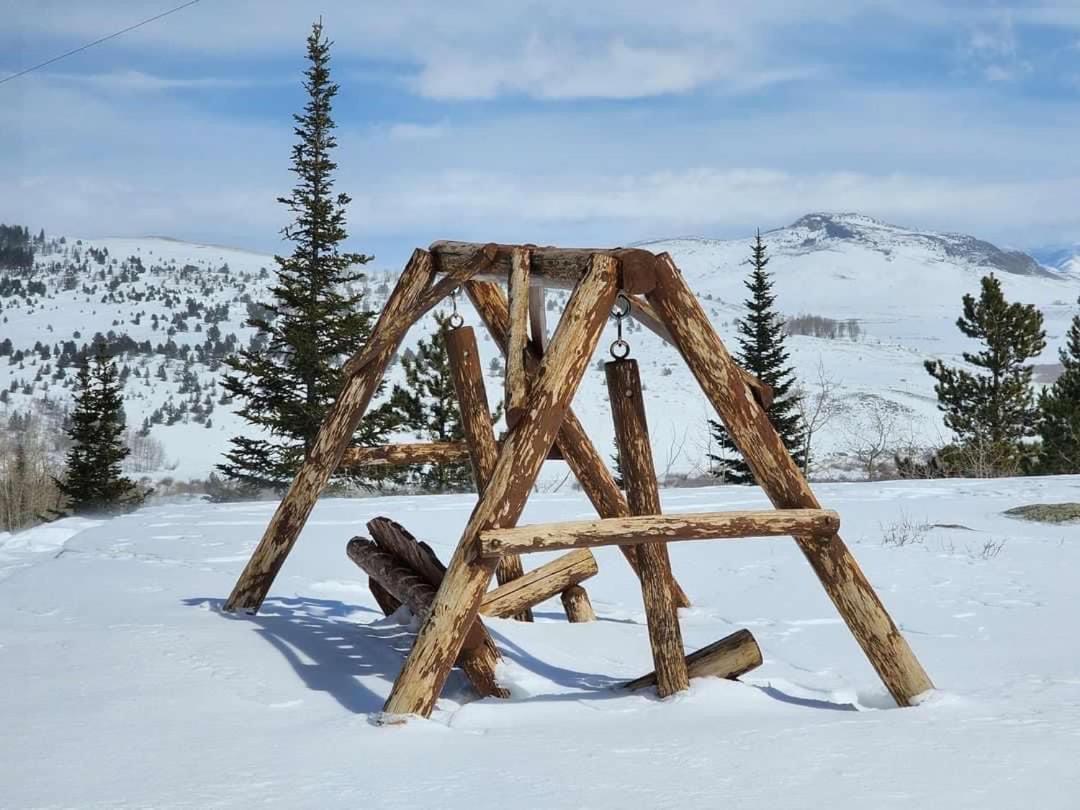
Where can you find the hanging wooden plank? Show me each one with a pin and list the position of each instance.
(780, 478)
(333, 438)
(810, 523)
(552, 266)
(478, 656)
(463, 357)
(516, 383)
(417, 687)
(643, 496)
(539, 584)
(405, 454)
(577, 449)
(730, 657)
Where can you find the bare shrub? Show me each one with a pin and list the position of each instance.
(904, 532)
(147, 453)
(28, 492)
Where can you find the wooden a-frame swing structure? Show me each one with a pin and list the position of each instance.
(541, 379)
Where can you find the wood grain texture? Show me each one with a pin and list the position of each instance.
(335, 435)
(643, 496)
(809, 523)
(516, 383)
(393, 538)
(539, 584)
(478, 656)
(577, 449)
(405, 454)
(783, 482)
(579, 609)
(468, 377)
(383, 598)
(417, 687)
(552, 266)
(730, 657)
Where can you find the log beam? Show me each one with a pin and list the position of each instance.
(629, 531)
(334, 437)
(730, 657)
(552, 266)
(639, 477)
(539, 584)
(420, 681)
(406, 454)
(778, 475)
(463, 357)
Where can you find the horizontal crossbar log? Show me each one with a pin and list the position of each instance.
(652, 528)
(539, 584)
(405, 454)
(551, 266)
(729, 657)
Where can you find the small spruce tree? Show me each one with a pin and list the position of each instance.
(762, 353)
(994, 412)
(1059, 411)
(92, 481)
(291, 374)
(427, 406)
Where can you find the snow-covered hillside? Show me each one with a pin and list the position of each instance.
(122, 685)
(891, 295)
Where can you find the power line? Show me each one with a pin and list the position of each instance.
(113, 35)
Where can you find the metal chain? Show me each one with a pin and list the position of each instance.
(455, 321)
(620, 349)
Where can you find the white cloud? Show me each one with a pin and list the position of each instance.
(139, 81)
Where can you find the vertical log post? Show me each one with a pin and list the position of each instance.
(516, 385)
(468, 377)
(334, 437)
(575, 601)
(780, 477)
(639, 477)
(574, 444)
(417, 687)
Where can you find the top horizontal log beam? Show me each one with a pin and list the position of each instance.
(551, 266)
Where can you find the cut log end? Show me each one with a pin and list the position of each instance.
(730, 658)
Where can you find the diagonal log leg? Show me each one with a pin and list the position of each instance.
(468, 377)
(779, 476)
(405, 305)
(635, 461)
(421, 679)
(573, 442)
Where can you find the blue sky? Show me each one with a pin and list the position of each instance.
(569, 122)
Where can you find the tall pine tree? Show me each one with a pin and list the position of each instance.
(92, 481)
(762, 353)
(291, 376)
(993, 412)
(427, 406)
(1059, 411)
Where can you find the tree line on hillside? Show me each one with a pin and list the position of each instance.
(290, 376)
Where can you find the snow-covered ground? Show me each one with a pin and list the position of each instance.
(123, 685)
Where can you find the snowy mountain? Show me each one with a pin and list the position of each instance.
(873, 301)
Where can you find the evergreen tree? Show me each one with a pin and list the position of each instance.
(991, 413)
(1059, 411)
(291, 374)
(92, 479)
(427, 406)
(762, 353)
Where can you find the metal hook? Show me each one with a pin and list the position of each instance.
(620, 349)
(455, 320)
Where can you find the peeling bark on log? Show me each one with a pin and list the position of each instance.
(516, 384)
(478, 655)
(468, 378)
(643, 496)
(783, 482)
(539, 584)
(809, 523)
(579, 609)
(573, 442)
(417, 687)
(405, 454)
(553, 266)
(334, 437)
(730, 657)
(395, 539)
